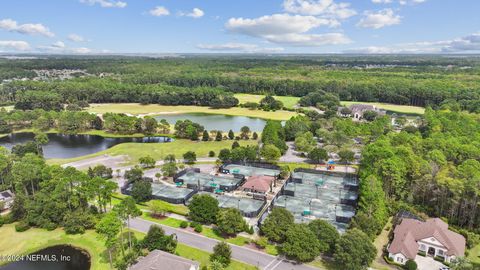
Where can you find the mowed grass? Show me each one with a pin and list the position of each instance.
(288, 102)
(390, 107)
(12, 242)
(159, 150)
(474, 255)
(154, 109)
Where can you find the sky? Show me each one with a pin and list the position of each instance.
(240, 26)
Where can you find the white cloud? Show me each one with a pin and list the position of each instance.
(287, 29)
(105, 3)
(466, 44)
(27, 29)
(411, 2)
(159, 11)
(14, 45)
(59, 44)
(276, 24)
(380, 19)
(382, 1)
(195, 13)
(239, 47)
(327, 8)
(76, 38)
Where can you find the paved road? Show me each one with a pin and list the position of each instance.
(243, 254)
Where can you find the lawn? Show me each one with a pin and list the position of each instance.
(179, 209)
(288, 102)
(390, 107)
(12, 242)
(203, 257)
(154, 109)
(474, 254)
(159, 150)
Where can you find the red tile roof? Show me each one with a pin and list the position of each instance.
(260, 183)
(409, 231)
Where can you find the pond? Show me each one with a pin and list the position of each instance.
(216, 121)
(70, 146)
(62, 257)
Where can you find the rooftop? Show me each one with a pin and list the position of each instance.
(259, 183)
(161, 260)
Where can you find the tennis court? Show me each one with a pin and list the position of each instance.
(318, 195)
(209, 182)
(248, 207)
(249, 170)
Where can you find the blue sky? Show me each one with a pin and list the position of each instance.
(244, 26)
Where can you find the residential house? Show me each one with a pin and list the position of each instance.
(430, 238)
(357, 110)
(161, 260)
(6, 198)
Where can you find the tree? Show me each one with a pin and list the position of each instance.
(149, 125)
(134, 174)
(255, 136)
(215, 265)
(109, 227)
(318, 155)
(203, 208)
(156, 239)
(346, 156)
(305, 142)
(218, 137)
(300, 243)
(141, 191)
(205, 136)
(235, 144)
(276, 224)
(370, 115)
(270, 153)
(245, 132)
(211, 154)
(158, 176)
(224, 155)
(190, 157)
(230, 221)
(326, 233)
(222, 253)
(410, 265)
(297, 124)
(147, 162)
(157, 208)
(231, 135)
(170, 158)
(130, 210)
(169, 169)
(354, 250)
(461, 263)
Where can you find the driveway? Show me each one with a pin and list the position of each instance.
(427, 263)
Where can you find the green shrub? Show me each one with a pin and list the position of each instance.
(439, 258)
(198, 228)
(422, 253)
(410, 265)
(7, 219)
(250, 230)
(183, 224)
(261, 242)
(193, 224)
(22, 226)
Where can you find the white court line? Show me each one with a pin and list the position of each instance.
(266, 266)
(275, 266)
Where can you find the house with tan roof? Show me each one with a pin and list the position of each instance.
(431, 238)
(259, 184)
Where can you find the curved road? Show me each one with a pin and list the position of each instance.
(243, 254)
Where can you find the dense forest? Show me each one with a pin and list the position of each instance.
(207, 81)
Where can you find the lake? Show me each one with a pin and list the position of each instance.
(216, 121)
(61, 257)
(70, 146)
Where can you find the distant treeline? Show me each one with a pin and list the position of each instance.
(203, 81)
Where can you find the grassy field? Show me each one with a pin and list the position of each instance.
(390, 107)
(159, 150)
(474, 255)
(288, 102)
(12, 242)
(154, 109)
